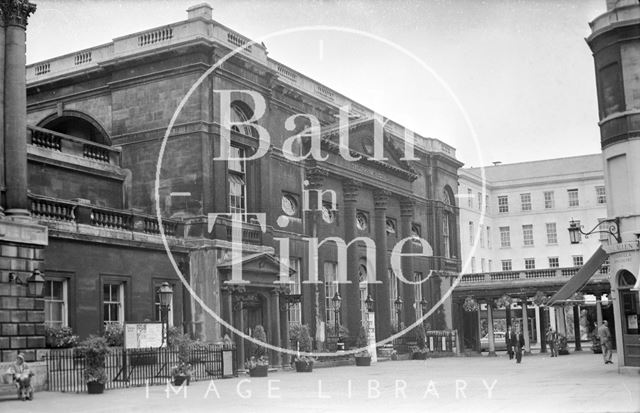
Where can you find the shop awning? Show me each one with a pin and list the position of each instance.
(578, 281)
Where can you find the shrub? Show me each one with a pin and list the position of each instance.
(299, 334)
(114, 334)
(172, 333)
(183, 343)
(259, 335)
(421, 340)
(60, 337)
(94, 349)
(362, 341)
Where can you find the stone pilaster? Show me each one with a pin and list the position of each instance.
(406, 217)
(382, 296)
(492, 342)
(274, 328)
(15, 14)
(525, 326)
(350, 310)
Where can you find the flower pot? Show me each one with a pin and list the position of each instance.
(363, 361)
(259, 371)
(178, 380)
(304, 366)
(94, 387)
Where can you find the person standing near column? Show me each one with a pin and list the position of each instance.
(510, 343)
(605, 342)
(518, 343)
(551, 340)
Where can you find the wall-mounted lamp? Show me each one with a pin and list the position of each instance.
(35, 283)
(613, 228)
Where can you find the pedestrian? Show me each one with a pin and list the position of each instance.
(551, 339)
(518, 343)
(19, 370)
(507, 339)
(605, 342)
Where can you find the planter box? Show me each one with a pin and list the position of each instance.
(95, 388)
(304, 367)
(363, 361)
(259, 371)
(178, 380)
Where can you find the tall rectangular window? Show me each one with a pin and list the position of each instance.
(525, 201)
(601, 195)
(295, 310)
(113, 303)
(552, 234)
(486, 203)
(503, 203)
(330, 289)
(529, 263)
(554, 262)
(55, 303)
(574, 201)
(470, 197)
(480, 201)
(445, 236)
(578, 261)
(417, 288)
(490, 265)
(489, 237)
(527, 235)
(237, 182)
(473, 264)
(482, 264)
(471, 233)
(481, 237)
(506, 265)
(393, 295)
(505, 237)
(549, 200)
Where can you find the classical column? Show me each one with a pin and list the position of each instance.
(598, 311)
(492, 343)
(538, 324)
(544, 326)
(576, 327)
(525, 327)
(15, 13)
(350, 309)
(275, 326)
(241, 355)
(2, 65)
(382, 300)
(507, 314)
(284, 333)
(311, 293)
(408, 295)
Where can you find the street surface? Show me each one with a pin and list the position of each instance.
(579, 382)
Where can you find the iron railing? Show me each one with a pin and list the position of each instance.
(135, 367)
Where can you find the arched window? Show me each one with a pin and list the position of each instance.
(76, 124)
(241, 113)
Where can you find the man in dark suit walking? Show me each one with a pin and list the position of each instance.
(518, 342)
(509, 342)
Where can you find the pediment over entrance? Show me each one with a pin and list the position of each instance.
(262, 268)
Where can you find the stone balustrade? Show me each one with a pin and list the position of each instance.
(71, 145)
(548, 274)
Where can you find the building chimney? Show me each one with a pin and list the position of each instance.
(202, 10)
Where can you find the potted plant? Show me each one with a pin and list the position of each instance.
(114, 334)
(94, 350)
(470, 304)
(363, 358)
(258, 364)
(299, 334)
(563, 349)
(60, 337)
(181, 372)
(419, 352)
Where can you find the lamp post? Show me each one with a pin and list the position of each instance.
(369, 302)
(166, 296)
(398, 306)
(337, 302)
(35, 283)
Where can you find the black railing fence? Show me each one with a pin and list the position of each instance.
(138, 367)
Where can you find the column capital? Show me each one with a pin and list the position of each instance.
(381, 198)
(315, 176)
(16, 12)
(406, 207)
(350, 190)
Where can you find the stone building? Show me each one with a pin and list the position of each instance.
(96, 122)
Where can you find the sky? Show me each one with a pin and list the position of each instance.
(516, 74)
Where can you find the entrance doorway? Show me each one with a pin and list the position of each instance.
(629, 314)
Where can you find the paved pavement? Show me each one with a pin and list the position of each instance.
(579, 382)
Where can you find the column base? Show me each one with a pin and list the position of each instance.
(18, 214)
(492, 354)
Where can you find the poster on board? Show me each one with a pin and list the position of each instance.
(143, 335)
